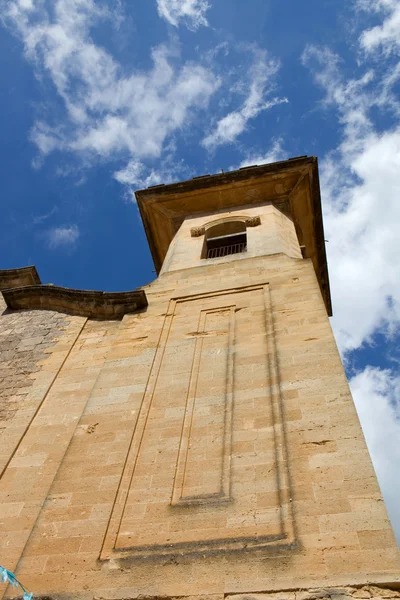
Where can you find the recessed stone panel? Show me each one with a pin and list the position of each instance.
(207, 467)
(203, 466)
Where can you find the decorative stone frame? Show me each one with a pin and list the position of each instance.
(248, 221)
(286, 539)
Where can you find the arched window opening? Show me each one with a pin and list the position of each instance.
(224, 239)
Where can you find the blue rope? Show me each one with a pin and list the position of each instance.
(8, 577)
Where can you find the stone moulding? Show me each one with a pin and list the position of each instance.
(185, 496)
(248, 221)
(84, 303)
(253, 221)
(197, 231)
(347, 592)
(11, 278)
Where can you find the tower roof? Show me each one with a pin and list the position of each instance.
(292, 184)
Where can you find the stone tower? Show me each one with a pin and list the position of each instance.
(197, 437)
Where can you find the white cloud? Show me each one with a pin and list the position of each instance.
(112, 112)
(376, 394)
(387, 35)
(65, 236)
(364, 247)
(360, 183)
(275, 153)
(260, 86)
(109, 112)
(136, 176)
(360, 187)
(190, 12)
(27, 4)
(39, 219)
(131, 173)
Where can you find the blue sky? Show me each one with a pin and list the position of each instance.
(99, 98)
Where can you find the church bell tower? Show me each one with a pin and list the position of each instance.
(206, 446)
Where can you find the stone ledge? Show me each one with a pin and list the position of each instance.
(12, 278)
(364, 592)
(84, 303)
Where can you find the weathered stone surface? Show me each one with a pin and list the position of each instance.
(22, 289)
(205, 447)
(85, 303)
(10, 278)
(25, 338)
(293, 185)
(326, 593)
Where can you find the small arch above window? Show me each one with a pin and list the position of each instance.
(225, 238)
(248, 221)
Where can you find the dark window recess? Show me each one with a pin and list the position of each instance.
(226, 244)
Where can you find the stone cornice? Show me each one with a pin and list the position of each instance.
(11, 278)
(85, 303)
(22, 289)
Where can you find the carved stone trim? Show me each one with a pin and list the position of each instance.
(212, 491)
(248, 221)
(84, 303)
(197, 231)
(253, 221)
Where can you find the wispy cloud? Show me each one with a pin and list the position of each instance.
(376, 394)
(190, 12)
(136, 176)
(39, 219)
(386, 36)
(360, 182)
(259, 98)
(108, 113)
(117, 113)
(361, 185)
(276, 152)
(65, 236)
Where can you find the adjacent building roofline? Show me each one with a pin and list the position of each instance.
(85, 303)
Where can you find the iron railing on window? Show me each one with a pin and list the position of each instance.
(225, 250)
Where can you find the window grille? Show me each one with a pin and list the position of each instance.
(223, 245)
(225, 250)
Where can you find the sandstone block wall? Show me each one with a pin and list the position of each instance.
(344, 593)
(131, 482)
(276, 233)
(203, 447)
(26, 339)
(40, 404)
